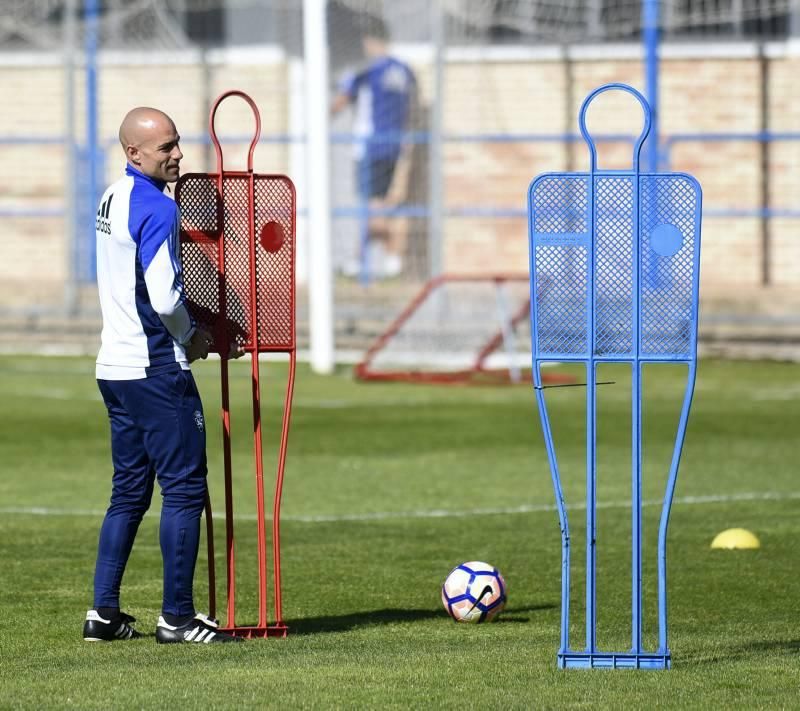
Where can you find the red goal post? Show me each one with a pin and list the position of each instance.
(458, 329)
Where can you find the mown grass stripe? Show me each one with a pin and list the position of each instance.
(445, 513)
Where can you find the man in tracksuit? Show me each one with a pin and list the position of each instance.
(156, 416)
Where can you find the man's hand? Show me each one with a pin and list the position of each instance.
(198, 345)
(235, 351)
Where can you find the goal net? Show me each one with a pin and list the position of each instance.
(458, 329)
(574, 21)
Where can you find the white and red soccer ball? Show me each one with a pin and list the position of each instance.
(474, 592)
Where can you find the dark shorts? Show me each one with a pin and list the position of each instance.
(374, 176)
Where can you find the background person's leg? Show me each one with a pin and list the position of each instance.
(385, 258)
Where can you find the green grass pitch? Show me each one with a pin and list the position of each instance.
(387, 488)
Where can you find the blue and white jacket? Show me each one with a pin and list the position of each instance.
(145, 321)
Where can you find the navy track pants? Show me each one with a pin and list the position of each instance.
(157, 431)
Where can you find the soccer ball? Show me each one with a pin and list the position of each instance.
(474, 592)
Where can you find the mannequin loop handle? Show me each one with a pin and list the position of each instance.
(637, 148)
(212, 130)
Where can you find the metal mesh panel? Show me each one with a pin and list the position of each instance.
(560, 223)
(274, 206)
(202, 213)
(560, 230)
(561, 305)
(613, 266)
(237, 259)
(561, 205)
(666, 303)
(200, 230)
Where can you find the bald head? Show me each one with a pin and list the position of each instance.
(150, 141)
(140, 123)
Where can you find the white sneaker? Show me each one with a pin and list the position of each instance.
(202, 629)
(350, 269)
(391, 267)
(380, 264)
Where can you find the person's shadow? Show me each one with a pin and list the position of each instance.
(354, 620)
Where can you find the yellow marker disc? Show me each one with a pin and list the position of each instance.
(735, 538)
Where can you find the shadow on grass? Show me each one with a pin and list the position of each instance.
(515, 614)
(341, 623)
(742, 651)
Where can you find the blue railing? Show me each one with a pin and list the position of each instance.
(420, 210)
(762, 212)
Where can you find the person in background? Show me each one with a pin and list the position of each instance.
(383, 95)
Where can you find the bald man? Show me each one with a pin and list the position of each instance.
(156, 416)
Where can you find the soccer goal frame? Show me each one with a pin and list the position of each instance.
(479, 363)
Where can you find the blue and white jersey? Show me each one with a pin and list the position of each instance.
(145, 321)
(382, 96)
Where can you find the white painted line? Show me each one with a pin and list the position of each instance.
(445, 513)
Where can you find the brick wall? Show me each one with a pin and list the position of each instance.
(33, 250)
(523, 95)
(713, 94)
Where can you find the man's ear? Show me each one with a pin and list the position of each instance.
(132, 154)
